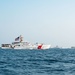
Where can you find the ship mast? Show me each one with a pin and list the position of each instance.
(21, 38)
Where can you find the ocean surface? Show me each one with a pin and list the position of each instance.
(37, 62)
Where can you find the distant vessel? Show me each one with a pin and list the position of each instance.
(73, 47)
(19, 44)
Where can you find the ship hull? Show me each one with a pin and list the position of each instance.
(32, 47)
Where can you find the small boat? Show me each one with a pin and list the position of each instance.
(6, 46)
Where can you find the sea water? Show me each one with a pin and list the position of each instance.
(37, 62)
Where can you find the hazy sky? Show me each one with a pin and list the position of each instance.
(47, 21)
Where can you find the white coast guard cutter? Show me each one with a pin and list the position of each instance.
(19, 44)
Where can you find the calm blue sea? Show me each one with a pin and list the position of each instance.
(37, 62)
